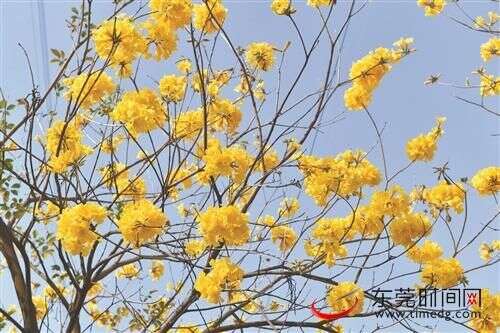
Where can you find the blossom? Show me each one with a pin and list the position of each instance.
(117, 176)
(367, 72)
(289, 207)
(95, 290)
(224, 224)
(260, 55)
(490, 49)
(408, 228)
(157, 269)
(173, 87)
(425, 253)
(64, 144)
(224, 115)
(490, 85)
(282, 7)
(224, 275)
(423, 147)
(432, 7)
(445, 196)
(120, 41)
(184, 66)
(442, 273)
(488, 320)
(141, 111)
(233, 162)
(89, 89)
(162, 35)
(41, 307)
(110, 145)
(141, 221)
(319, 3)
(486, 251)
(188, 124)
(128, 271)
(487, 181)
(284, 236)
(75, 227)
(209, 16)
(195, 247)
(344, 295)
(176, 12)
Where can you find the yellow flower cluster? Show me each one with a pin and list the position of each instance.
(445, 196)
(344, 295)
(162, 35)
(408, 228)
(188, 124)
(157, 269)
(318, 3)
(289, 207)
(489, 310)
(64, 144)
(89, 89)
(260, 55)
(115, 175)
(41, 306)
(75, 230)
(141, 111)
(487, 181)
(233, 162)
(490, 49)
(224, 224)
(141, 221)
(195, 247)
(282, 7)
(224, 275)
(432, 7)
(184, 66)
(269, 161)
(486, 251)
(480, 22)
(119, 41)
(224, 115)
(442, 273)
(176, 12)
(422, 254)
(209, 16)
(110, 144)
(343, 174)
(489, 85)
(128, 271)
(423, 147)
(284, 236)
(330, 234)
(367, 72)
(172, 87)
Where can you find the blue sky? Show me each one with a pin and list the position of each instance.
(402, 101)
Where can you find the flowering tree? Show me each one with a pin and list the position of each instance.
(200, 177)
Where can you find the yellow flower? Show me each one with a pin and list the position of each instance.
(269, 161)
(445, 196)
(408, 228)
(289, 207)
(224, 224)
(110, 145)
(489, 319)
(140, 222)
(224, 275)
(141, 111)
(487, 181)
(442, 273)
(330, 233)
(282, 7)
(423, 147)
(173, 87)
(425, 253)
(318, 3)
(344, 174)
(119, 40)
(260, 55)
(344, 295)
(75, 230)
(161, 34)
(209, 16)
(157, 269)
(432, 7)
(195, 247)
(64, 144)
(490, 49)
(176, 12)
(224, 115)
(184, 66)
(267, 220)
(51, 294)
(367, 72)
(239, 297)
(233, 162)
(486, 251)
(129, 271)
(95, 290)
(87, 89)
(40, 304)
(115, 175)
(284, 236)
(188, 124)
(490, 85)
